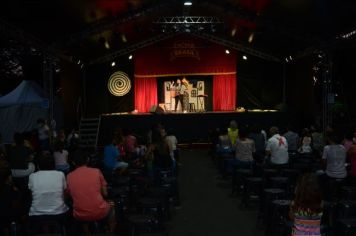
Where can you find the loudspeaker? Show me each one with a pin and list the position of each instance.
(156, 110)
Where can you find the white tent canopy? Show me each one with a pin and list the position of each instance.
(20, 109)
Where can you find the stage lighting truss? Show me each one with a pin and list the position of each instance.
(188, 23)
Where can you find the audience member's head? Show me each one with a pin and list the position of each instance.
(59, 146)
(46, 161)
(223, 131)
(308, 195)
(273, 130)
(233, 125)
(18, 139)
(333, 138)
(81, 158)
(170, 132)
(243, 133)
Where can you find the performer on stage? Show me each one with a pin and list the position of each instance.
(181, 90)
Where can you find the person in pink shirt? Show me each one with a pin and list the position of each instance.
(88, 188)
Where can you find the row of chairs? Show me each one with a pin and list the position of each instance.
(272, 191)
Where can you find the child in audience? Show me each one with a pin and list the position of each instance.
(61, 157)
(307, 208)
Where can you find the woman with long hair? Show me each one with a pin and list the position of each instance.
(307, 208)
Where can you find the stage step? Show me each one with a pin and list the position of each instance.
(88, 132)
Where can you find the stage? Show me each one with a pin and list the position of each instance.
(188, 127)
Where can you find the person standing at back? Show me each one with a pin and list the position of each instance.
(277, 149)
(292, 139)
(233, 132)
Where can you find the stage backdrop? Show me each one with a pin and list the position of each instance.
(185, 55)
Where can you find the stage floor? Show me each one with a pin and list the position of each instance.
(188, 127)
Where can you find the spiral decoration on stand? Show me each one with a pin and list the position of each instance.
(119, 84)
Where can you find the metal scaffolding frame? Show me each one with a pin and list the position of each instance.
(188, 20)
(161, 37)
(237, 46)
(132, 48)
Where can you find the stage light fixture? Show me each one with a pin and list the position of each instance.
(227, 51)
(244, 57)
(290, 58)
(113, 64)
(233, 32)
(130, 57)
(188, 3)
(106, 44)
(78, 62)
(250, 38)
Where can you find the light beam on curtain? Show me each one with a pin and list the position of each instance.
(224, 92)
(145, 93)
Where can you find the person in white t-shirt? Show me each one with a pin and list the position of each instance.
(60, 156)
(277, 148)
(47, 187)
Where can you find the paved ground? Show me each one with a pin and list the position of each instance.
(207, 207)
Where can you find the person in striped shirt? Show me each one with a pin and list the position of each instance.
(307, 208)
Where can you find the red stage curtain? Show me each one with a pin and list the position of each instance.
(145, 93)
(224, 92)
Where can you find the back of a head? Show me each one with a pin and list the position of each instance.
(80, 157)
(308, 195)
(243, 133)
(233, 124)
(46, 162)
(273, 130)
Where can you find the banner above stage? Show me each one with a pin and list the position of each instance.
(184, 55)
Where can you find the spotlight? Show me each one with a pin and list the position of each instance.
(290, 58)
(123, 38)
(78, 62)
(233, 32)
(244, 57)
(188, 3)
(287, 59)
(106, 44)
(113, 64)
(250, 38)
(130, 57)
(227, 51)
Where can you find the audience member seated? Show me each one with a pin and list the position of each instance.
(292, 139)
(307, 208)
(172, 144)
(277, 149)
(158, 151)
(112, 159)
(88, 189)
(334, 157)
(245, 148)
(260, 143)
(11, 208)
(72, 141)
(43, 134)
(130, 144)
(224, 142)
(318, 140)
(61, 157)
(233, 132)
(305, 143)
(20, 158)
(47, 187)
